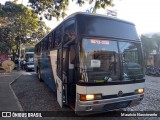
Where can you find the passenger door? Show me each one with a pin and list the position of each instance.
(62, 76)
(59, 82)
(65, 77)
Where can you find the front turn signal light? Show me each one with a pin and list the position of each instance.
(139, 91)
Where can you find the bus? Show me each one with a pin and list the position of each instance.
(28, 62)
(93, 63)
(29, 56)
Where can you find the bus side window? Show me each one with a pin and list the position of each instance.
(47, 43)
(65, 60)
(58, 36)
(50, 41)
(69, 30)
(72, 54)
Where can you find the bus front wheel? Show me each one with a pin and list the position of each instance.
(39, 75)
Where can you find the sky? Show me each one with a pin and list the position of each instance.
(145, 14)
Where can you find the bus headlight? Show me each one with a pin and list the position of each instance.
(139, 91)
(90, 97)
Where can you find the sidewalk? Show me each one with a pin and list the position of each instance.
(8, 99)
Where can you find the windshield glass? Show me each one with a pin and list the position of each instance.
(131, 60)
(29, 57)
(100, 61)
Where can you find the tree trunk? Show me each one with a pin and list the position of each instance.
(13, 54)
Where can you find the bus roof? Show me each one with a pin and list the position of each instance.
(96, 15)
(129, 31)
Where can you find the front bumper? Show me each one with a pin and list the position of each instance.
(30, 68)
(99, 106)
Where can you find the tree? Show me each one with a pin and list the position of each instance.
(5, 39)
(156, 39)
(148, 46)
(57, 8)
(21, 23)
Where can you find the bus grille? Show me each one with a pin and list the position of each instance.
(117, 105)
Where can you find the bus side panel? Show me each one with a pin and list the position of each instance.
(57, 80)
(53, 61)
(36, 58)
(46, 70)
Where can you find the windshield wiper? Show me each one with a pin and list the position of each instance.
(106, 78)
(109, 72)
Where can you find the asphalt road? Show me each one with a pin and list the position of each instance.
(36, 96)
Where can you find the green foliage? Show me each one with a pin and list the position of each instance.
(4, 46)
(19, 22)
(5, 39)
(150, 43)
(10, 9)
(156, 39)
(147, 44)
(57, 8)
(146, 41)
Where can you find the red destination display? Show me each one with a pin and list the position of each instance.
(106, 42)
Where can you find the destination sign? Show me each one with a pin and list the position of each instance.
(106, 42)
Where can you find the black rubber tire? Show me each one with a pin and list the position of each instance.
(39, 75)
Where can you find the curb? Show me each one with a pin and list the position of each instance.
(18, 103)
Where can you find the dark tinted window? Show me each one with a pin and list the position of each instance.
(43, 43)
(106, 27)
(65, 61)
(50, 41)
(131, 56)
(38, 48)
(69, 29)
(53, 39)
(58, 35)
(47, 43)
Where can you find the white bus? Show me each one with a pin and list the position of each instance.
(94, 63)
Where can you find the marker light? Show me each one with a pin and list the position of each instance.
(90, 97)
(139, 91)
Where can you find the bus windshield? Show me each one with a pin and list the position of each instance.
(100, 61)
(29, 56)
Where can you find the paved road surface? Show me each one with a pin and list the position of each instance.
(36, 96)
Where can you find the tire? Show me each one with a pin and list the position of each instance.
(39, 75)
